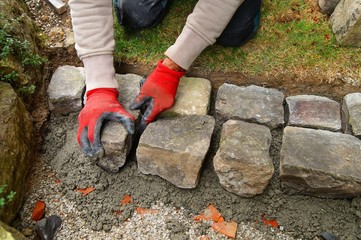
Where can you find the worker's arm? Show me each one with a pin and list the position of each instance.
(94, 36)
(207, 21)
(204, 25)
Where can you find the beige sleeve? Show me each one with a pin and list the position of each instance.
(94, 40)
(204, 25)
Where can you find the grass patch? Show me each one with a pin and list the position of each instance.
(293, 36)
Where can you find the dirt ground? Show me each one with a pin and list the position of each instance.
(300, 216)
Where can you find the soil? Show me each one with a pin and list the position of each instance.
(300, 216)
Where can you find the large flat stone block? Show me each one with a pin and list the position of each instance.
(243, 163)
(321, 163)
(175, 149)
(252, 103)
(346, 22)
(351, 109)
(65, 89)
(193, 98)
(314, 112)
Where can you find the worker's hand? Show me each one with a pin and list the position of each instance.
(157, 93)
(101, 104)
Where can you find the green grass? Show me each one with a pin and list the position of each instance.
(14, 50)
(5, 199)
(293, 36)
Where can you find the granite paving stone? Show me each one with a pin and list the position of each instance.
(193, 98)
(351, 109)
(243, 163)
(251, 104)
(65, 89)
(320, 163)
(314, 112)
(175, 148)
(115, 139)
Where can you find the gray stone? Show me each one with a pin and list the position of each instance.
(115, 139)
(129, 87)
(16, 149)
(314, 111)
(47, 228)
(58, 5)
(327, 6)
(346, 22)
(10, 233)
(117, 144)
(243, 163)
(175, 148)
(65, 89)
(193, 98)
(320, 163)
(252, 103)
(351, 109)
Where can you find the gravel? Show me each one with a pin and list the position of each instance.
(168, 223)
(56, 28)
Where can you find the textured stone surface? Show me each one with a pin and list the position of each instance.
(10, 233)
(351, 110)
(16, 149)
(314, 111)
(129, 87)
(321, 163)
(115, 139)
(65, 89)
(346, 22)
(193, 98)
(252, 103)
(174, 149)
(117, 144)
(243, 163)
(327, 6)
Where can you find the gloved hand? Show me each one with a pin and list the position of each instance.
(157, 93)
(101, 104)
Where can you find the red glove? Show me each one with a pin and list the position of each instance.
(159, 91)
(101, 104)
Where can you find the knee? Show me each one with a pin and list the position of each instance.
(138, 14)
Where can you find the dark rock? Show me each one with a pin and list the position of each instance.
(327, 6)
(46, 228)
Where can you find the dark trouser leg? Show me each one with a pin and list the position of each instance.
(138, 14)
(243, 25)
